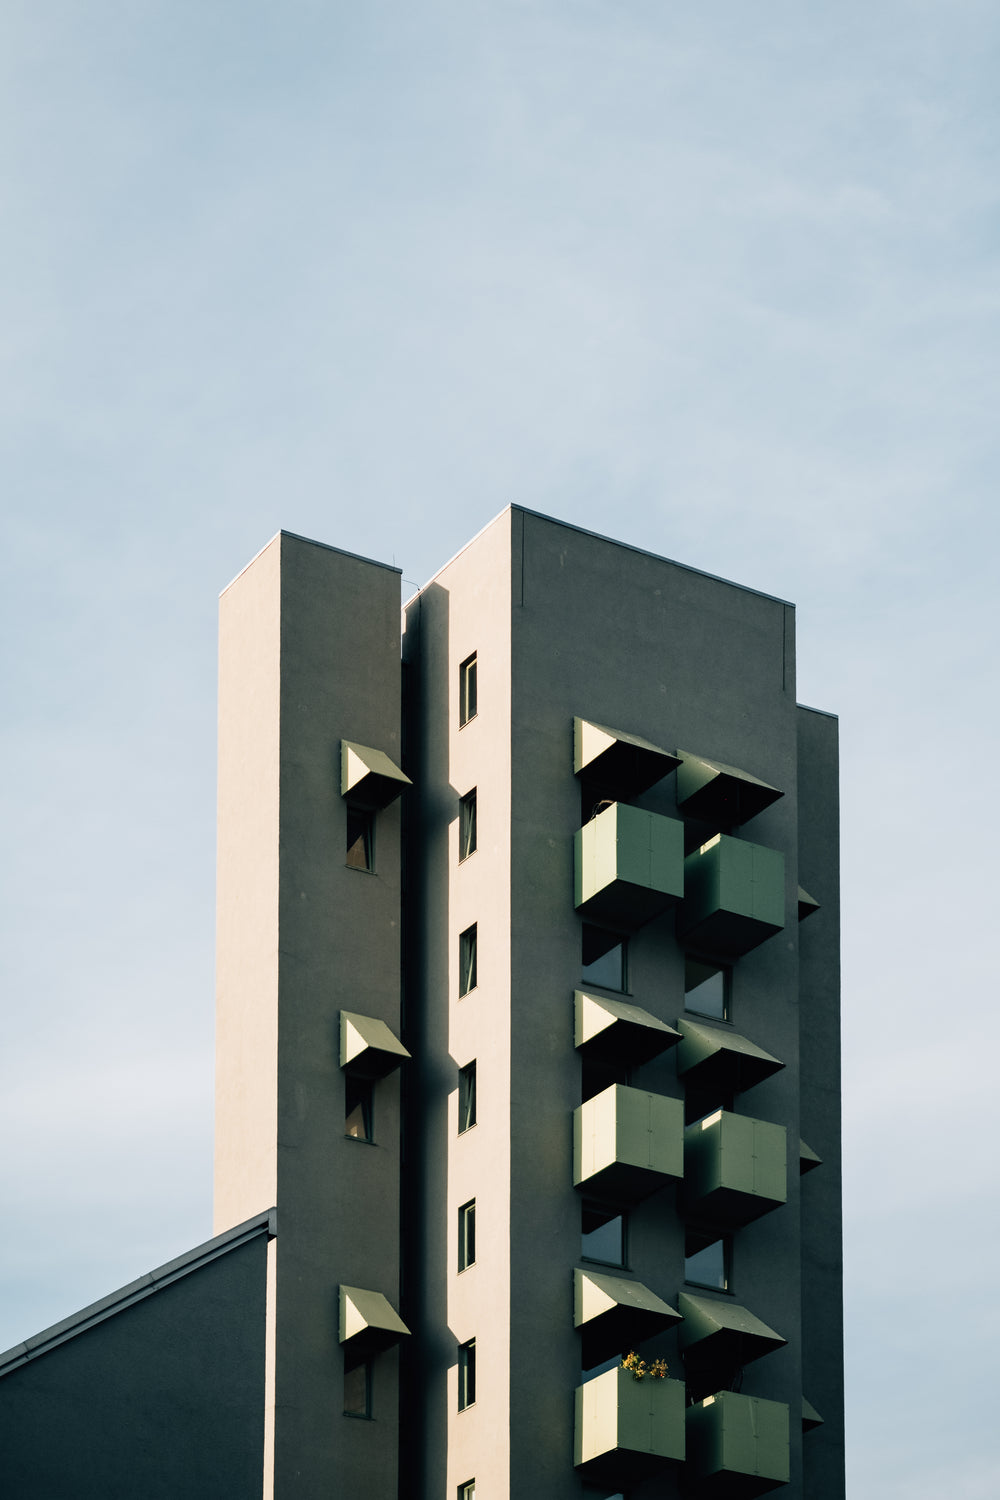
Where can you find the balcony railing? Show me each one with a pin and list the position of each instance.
(627, 1429)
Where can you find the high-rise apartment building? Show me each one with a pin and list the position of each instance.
(528, 1051)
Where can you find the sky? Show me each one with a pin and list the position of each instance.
(718, 280)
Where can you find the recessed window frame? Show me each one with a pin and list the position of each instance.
(468, 825)
(599, 1209)
(721, 1011)
(468, 960)
(359, 1104)
(467, 1097)
(467, 1375)
(360, 853)
(468, 690)
(467, 1235)
(589, 934)
(467, 1491)
(710, 1238)
(362, 1373)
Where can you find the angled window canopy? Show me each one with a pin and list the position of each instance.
(629, 866)
(367, 1046)
(807, 904)
(808, 1160)
(613, 1314)
(721, 1336)
(734, 896)
(368, 777)
(623, 764)
(716, 1060)
(615, 1031)
(734, 1169)
(810, 1416)
(720, 794)
(368, 1322)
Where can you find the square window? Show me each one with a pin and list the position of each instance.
(467, 961)
(707, 1261)
(467, 690)
(466, 1374)
(359, 1113)
(358, 1390)
(605, 958)
(360, 838)
(602, 1237)
(467, 825)
(467, 1235)
(706, 989)
(466, 1097)
(467, 1491)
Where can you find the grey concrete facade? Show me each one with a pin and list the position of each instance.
(372, 954)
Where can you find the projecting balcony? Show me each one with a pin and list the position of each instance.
(614, 1313)
(734, 896)
(368, 778)
(734, 1169)
(717, 1060)
(627, 1144)
(368, 1322)
(627, 1429)
(367, 1046)
(737, 1446)
(629, 866)
(616, 1031)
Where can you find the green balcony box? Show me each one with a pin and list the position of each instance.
(627, 1429)
(618, 1031)
(615, 1313)
(737, 1446)
(368, 778)
(627, 1143)
(368, 1322)
(368, 1048)
(629, 866)
(734, 1169)
(734, 896)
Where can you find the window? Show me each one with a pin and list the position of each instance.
(358, 1389)
(707, 1261)
(466, 1097)
(467, 690)
(467, 1235)
(360, 838)
(467, 825)
(466, 1374)
(467, 1491)
(467, 961)
(602, 1238)
(605, 958)
(360, 1116)
(706, 989)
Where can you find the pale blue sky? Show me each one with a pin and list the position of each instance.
(719, 280)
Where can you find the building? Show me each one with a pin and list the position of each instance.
(526, 1054)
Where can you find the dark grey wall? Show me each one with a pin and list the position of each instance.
(160, 1400)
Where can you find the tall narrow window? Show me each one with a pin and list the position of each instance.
(358, 1389)
(466, 1374)
(467, 960)
(360, 838)
(467, 825)
(467, 1491)
(467, 690)
(466, 1097)
(605, 958)
(602, 1238)
(359, 1114)
(467, 1235)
